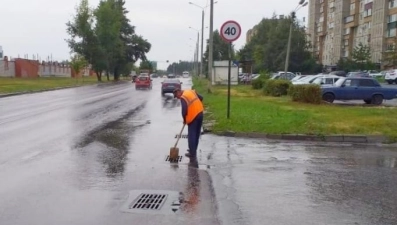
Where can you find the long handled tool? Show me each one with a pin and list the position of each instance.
(174, 151)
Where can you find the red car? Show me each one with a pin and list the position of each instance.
(143, 82)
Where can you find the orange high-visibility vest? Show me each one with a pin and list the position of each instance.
(194, 105)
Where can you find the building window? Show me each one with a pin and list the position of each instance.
(368, 12)
(392, 4)
(349, 19)
(391, 32)
(390, 47)
(352, 6)
(368, 9)
(347, 31)
(392, 18)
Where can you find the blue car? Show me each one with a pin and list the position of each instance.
(356, 88)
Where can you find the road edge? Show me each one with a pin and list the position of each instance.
(356, 139)
(55, 89)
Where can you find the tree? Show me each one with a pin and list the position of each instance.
(361, 55)
(390, 55)
(180, 67)
(220, 50)
(83, 40)
(268, 46)
(77, 63)
(145, 65)
(135, 46)
(107, 29)
(112, 44)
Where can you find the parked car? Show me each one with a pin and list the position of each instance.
(326, 80)
(340, 73)
(143, 82)
(298, 77)
(318, 79)
(358, 74)
(169, 85)
(374, 73)
(283, 76)
(391, 76)
(356, 88)
(255, 76)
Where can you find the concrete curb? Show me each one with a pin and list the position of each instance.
(358, 139)
(52, 89)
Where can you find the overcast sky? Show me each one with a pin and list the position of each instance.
(38, 26)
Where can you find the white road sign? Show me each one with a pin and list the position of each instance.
(230, 31)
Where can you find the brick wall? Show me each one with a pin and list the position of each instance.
(7, 68)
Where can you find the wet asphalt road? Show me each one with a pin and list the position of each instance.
(74, 156)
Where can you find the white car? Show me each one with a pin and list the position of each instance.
(318, 79)
(374, 74)
(391, 76)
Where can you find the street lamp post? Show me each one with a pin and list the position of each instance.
(211, 44)
(302, 3)
(197, 48)
(202, 34)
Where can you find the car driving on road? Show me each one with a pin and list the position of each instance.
(143, 82)
(169, 85)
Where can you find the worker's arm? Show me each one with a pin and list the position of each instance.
(199, 96)
(184, 109)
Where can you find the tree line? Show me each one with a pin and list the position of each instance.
(105, 38)
(268, 47)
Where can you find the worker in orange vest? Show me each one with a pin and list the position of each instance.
(192, 114)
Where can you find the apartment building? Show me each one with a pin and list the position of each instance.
(250, 34)
(337, 26)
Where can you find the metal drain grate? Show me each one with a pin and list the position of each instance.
(182, 136)
(179, 159)
(149, 201)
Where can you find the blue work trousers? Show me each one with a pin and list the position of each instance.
(194, 131)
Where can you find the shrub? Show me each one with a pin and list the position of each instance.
(307, 93)
(259, 83)
(277, 87)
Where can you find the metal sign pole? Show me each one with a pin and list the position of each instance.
(229, 80)
(230, 31)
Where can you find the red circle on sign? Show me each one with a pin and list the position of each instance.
(230, 22)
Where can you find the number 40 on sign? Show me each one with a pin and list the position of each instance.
(230, 31)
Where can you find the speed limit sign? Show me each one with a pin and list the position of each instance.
(230, 31)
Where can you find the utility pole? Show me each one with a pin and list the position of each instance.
(202, 42)
(197, 53)
(211, 45)
(302, 3)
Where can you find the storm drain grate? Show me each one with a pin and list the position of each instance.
(182, 136)
(179, 159)
(149, 201)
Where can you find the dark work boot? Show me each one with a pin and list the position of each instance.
(190, 155)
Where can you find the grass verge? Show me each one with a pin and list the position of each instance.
(14, 85)
(253, 112)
